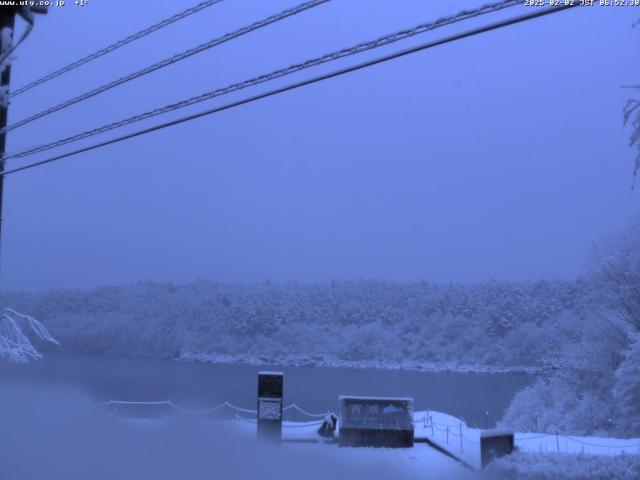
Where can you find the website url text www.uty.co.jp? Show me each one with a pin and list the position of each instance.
(32, 3)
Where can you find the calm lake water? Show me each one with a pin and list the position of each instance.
(199, 385)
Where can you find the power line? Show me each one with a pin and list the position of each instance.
(336, 73)
(114, 46)
(329, 57)
(167, 61)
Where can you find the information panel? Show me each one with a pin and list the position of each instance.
(376, 421)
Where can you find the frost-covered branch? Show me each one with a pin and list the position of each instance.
(15, 345)
(631, 116)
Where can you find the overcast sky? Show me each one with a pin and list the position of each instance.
(500, 156)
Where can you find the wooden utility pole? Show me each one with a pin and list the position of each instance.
(7, 20)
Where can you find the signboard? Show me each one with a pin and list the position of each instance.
(270, 389)
(376, 421)
(495, 444)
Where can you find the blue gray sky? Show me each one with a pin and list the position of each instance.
(500, 156)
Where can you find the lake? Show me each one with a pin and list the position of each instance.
(316, 389)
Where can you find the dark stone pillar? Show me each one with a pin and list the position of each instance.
(270, 389)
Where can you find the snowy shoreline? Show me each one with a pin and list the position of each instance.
(362, 364)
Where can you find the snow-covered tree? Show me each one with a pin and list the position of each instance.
(616, 269)
(15, 345)
(626, 391)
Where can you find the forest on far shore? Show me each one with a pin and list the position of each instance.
(488, 325)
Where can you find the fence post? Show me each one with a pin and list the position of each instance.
(431, 422)
(461, 437)
(447, 435)
(557, 442)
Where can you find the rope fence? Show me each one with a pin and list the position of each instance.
(169, 403)
(304, 412)
(582, 442)
(446, 432)
(240, 418)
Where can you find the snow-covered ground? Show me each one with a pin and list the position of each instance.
(463, 443)
(453, 435)
(302, 442)
(560, 466)
(418, 462)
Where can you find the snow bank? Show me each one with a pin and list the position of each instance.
(529, 466)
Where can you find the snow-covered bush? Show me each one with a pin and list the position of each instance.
(574, 393)
(556, 466)
(592, 384)
(15, 345)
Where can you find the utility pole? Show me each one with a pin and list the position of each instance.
(7, 20)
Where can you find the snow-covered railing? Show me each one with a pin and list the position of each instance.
(15, 345)
(463, 442)
(560, 443)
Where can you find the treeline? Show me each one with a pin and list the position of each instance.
(367, 322)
